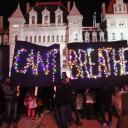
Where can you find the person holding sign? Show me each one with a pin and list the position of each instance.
(62, 99)
(104, 97)
(72, 105)
(30, 100)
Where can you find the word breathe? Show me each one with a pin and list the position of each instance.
(35, 62)
(92, 63)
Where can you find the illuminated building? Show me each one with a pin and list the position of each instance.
(48, 23)
(115, 20)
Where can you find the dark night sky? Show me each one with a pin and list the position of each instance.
(86, 7)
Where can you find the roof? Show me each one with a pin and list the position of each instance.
(17, 13)
(110, 9)
(52, 7)
(110, 6)
(74, 11)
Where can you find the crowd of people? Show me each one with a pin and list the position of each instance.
(61, 100)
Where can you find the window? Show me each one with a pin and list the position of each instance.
(94, 39)
(61, 38)
(87, 36)
(33, 19)
(48, 38)
(94, 36)
(101, 34)
(43, 38)
(122, 36)
(86, 39)
(120, 9)
(5, 38)
(101, 38)
(113, 36)
(124, 8)
(59, 18)
(46, 20)
(76, 37)
(57, 38)
(53, 38)
(112, 23)
(45, 17)
(35, 39)
(30, 38)
(121, 23)
(39, 38)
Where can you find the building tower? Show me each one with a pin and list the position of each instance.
(16, 23)
(115, 20)
(75, 25)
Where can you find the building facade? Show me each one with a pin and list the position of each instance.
(115, 20)
(47, 23)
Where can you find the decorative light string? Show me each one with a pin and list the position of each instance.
(34, 60)
(81, 62)
(121, 62)
(104, 63)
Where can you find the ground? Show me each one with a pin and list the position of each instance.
(47, 120)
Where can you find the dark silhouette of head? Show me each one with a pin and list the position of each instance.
(64, 75)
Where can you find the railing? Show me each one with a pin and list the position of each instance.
(45, 25)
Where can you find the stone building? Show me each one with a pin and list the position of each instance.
(115, 20)
(47, 23)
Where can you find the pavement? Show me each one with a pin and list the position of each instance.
(50, 122)
(47, 120)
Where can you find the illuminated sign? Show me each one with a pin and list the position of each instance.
(97, 63)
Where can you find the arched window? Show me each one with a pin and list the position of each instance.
(33, 19)
(62, 38)
(122, 36)
(101, 39)
(113, 36)
(30, 38)
(57, 38)
(86, 39)
(59, 18)
(76, 37)
(48, 38)
(101, 34)
(43, 38)
(35, 39)
(94, 39)
(39, 38)
(94, 36)
(124, 8)
(53, 38)
(120, 9)
(46, 19)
